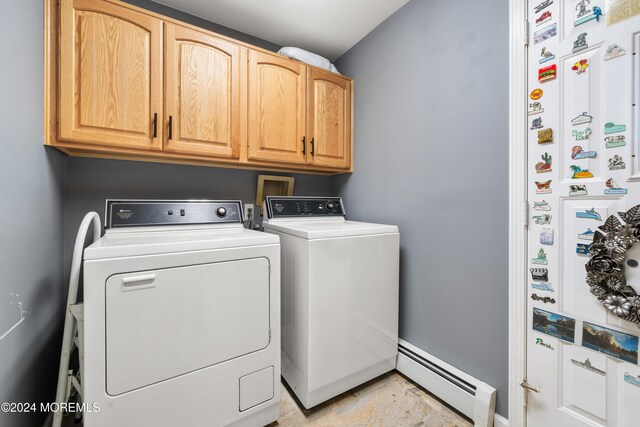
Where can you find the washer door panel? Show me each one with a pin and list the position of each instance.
(161, 324)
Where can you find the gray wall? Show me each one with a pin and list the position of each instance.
(30, 219)
(431, 156)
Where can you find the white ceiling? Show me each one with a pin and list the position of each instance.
(326, 27)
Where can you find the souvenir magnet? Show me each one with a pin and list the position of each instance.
(545, 17)
(581, 135)
(610, 342)
(616, 163)
(589, 214)
(614, 51)
(615, 141)
(587, 235)
(545, 164)
(541, 259)
(543, 5)
(614, 188)
(546, 300)
(611, 127)
(582, 119)
(539, 274)
(579, 173)
(584, 14)
(580, 66)
(577, 190)
(580, 43)
(581, 8)
(541, 206)
(537, 124)
(540, 341)
(545, 33)
(535, 108)
(536, 94)
(582, 248)
(631, 379)
(588, 366)
(547, 73)
(555, 325)
(546, 55)
(577, 153)
(546, 236)
(543, 287)
(545, 135)
(543, 187)
(542, 219)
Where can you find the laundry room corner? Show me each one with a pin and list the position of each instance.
(323, 212)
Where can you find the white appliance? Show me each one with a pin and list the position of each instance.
(181, 318)
(339, 296)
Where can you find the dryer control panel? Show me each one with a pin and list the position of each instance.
(292, 206)
(140, 213)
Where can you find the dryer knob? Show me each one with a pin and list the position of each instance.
(221, 212)
(330, 206)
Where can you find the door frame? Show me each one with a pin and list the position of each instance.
(518, 209)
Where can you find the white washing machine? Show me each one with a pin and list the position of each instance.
(339, 296)
(181, 318)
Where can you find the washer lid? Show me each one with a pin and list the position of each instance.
(150, 242)
(315, 229)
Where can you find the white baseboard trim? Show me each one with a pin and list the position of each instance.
(470, 396)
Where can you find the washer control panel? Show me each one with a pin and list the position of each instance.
(282, 207)
(139, 213)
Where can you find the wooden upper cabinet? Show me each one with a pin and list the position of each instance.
(202, 93)
(110, 75)
(123, 82)
(277, 105)
(329, 119)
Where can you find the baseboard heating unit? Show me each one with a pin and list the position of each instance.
(470, 396)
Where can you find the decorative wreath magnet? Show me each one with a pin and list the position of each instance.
(605, 269)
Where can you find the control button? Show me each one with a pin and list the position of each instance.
(330, 206)
(170, 212)
(182, 213)
(221, 212)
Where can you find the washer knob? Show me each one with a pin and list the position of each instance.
(221, 212)
(330, 206)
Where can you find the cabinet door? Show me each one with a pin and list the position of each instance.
(110, 75)
(202, 93)
(277, 93)
(329, 117)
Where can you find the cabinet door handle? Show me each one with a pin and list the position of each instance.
(304, 145)
(155, 125)
(133, 283)
(170, 127)
(313, 146)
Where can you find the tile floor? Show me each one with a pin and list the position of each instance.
(390, 400)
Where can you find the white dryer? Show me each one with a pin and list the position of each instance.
(339, 296)
(181, 318)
